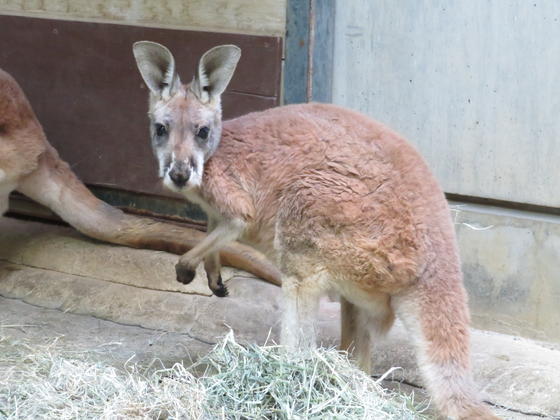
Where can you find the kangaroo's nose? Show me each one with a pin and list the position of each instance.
(179, 175)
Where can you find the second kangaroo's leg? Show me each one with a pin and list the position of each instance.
(225, 231)
(355, 337)
(359, 326)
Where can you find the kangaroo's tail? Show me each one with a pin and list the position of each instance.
(54, 185)
(436, 316)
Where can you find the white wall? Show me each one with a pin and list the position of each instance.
(474, 84)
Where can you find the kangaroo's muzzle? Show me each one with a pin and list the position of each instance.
(180, 174)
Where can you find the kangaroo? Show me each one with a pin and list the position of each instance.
(29, 164)
(339, 201)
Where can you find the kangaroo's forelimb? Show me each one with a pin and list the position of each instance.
(54, 185)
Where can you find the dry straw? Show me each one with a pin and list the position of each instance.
(231, 382)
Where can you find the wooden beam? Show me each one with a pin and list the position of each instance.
(296, 65)
(309, 47)
(323, 13)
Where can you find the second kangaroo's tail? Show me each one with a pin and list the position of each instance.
(54, 185)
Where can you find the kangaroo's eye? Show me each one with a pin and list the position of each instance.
(203, 133)
(161, 130)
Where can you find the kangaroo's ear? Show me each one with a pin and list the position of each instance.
(214, 72)
(157, 67)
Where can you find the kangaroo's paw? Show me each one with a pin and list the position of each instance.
(220, 289)
(185, 274)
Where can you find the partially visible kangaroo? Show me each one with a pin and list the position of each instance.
(29, 164)
(338, 200)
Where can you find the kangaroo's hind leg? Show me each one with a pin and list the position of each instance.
(359, 326)
(301, 300)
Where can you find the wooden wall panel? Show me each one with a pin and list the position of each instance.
(84, 86)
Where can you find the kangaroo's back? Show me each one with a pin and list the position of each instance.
(21, 136)
(335, 168)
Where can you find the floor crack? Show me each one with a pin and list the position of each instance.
(189, 335)
(35, 267)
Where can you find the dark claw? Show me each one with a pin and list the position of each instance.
(184, 274)
(221, 291)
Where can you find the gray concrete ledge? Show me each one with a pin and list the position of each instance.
(207, 318)
(511, 262)
(64, 250)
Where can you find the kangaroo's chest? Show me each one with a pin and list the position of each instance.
(259, 233)
(261, 237)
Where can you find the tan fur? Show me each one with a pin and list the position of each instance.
(29, 164)
(342, 203)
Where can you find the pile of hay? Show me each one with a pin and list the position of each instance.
(231, 382)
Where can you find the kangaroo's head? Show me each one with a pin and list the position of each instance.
(185, 120)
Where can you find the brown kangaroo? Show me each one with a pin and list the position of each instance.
(339, 201)
(29, 164)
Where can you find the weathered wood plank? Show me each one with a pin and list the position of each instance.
(296, 64)
(263, 17)
(324, 12)
(309, 51)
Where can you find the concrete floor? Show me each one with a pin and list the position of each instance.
(50, 289)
